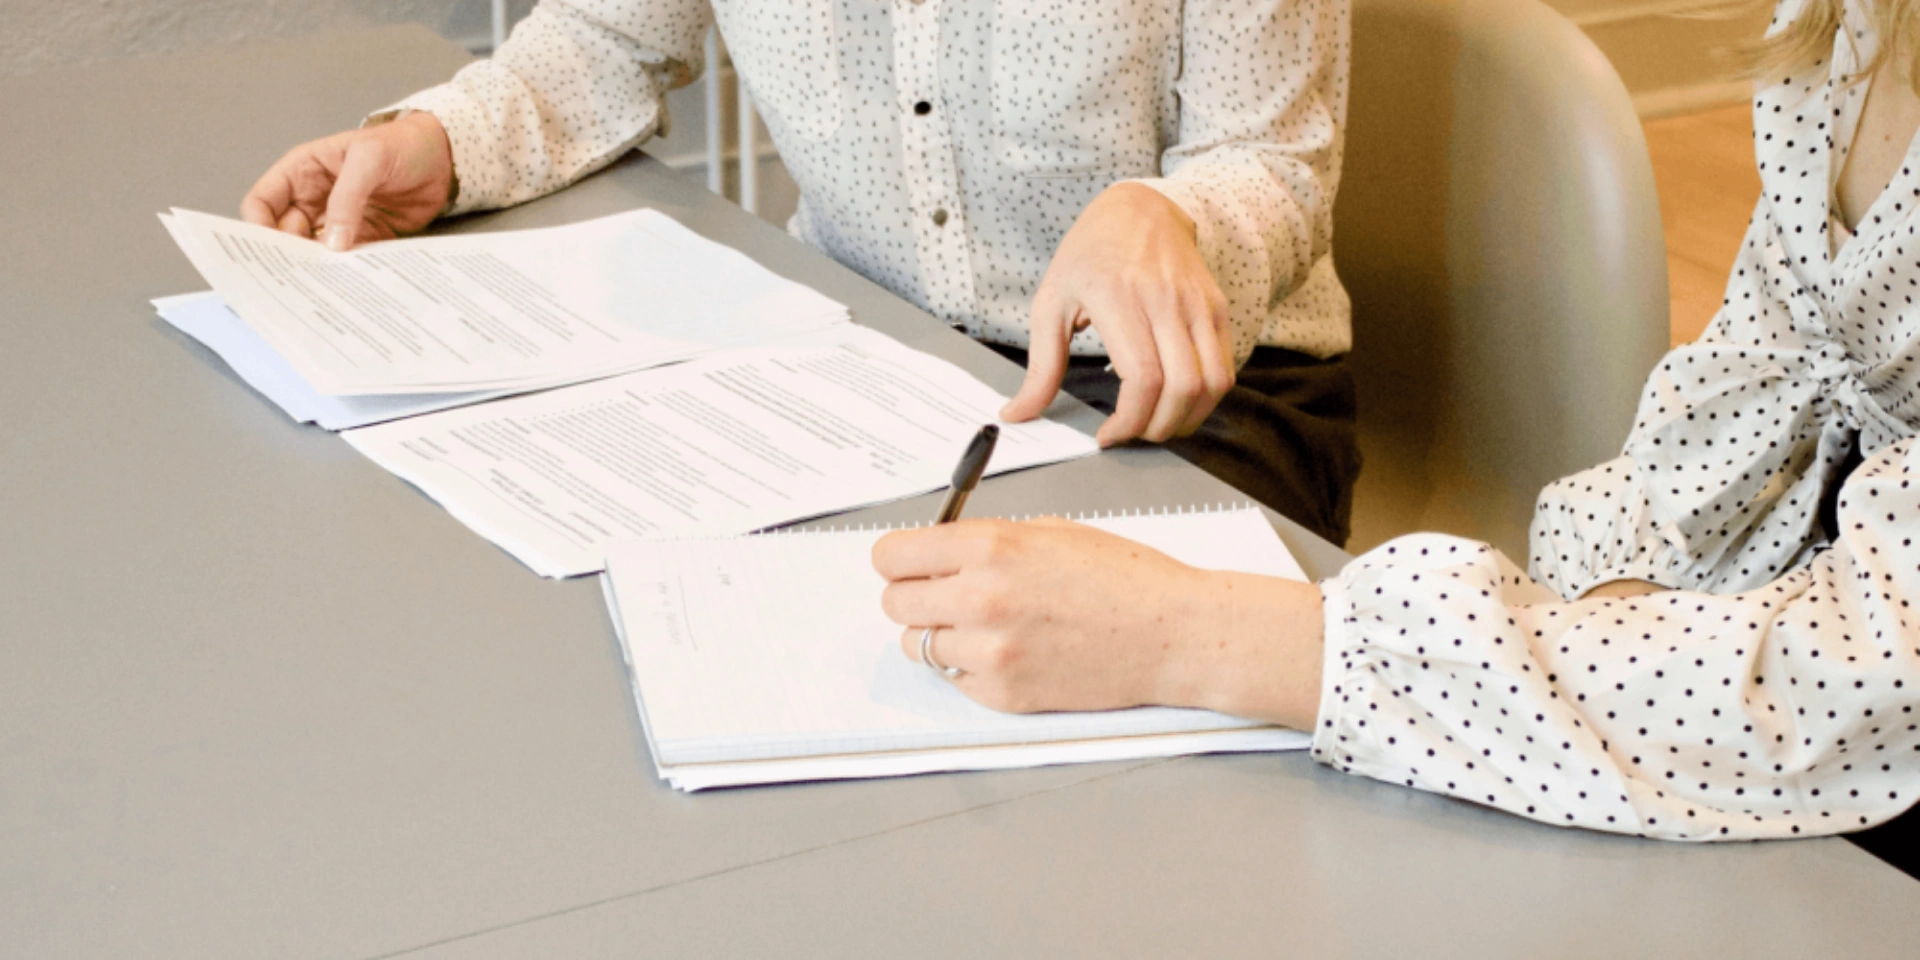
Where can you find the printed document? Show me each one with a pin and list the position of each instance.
(725, 444)
(489, 311)
(207, 318)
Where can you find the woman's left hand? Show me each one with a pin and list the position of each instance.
(1130, 267)
(1051, 615)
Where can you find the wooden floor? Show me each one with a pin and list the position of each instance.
(1703, 166)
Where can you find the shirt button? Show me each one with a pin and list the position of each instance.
(940, 217)
(923, 108)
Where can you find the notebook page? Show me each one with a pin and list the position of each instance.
(757, 648)
(863, 766)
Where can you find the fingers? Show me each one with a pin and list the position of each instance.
(937, 551)
(974, 653)
(1049, 330)
(1181, 389)
(269, 198)
(1136, 359)
(294, 221)
(360, 173)
(1174, 366)
(946, 648)
(941, 600)
(1215, 352)
(989, 665)
(299, 180)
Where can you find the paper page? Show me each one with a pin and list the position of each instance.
(525, 309)
(207, 318)
(824, 422)
(775, 647)
(706, 776)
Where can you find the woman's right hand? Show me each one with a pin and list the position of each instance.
(374, 183)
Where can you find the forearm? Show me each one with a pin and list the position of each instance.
(1785, 710)
(566, 95)
(1257, 160)
(1253, 649)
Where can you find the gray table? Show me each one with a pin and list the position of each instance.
(260, 699)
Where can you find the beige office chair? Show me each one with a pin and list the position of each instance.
(1498, 229)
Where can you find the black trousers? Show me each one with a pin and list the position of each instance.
(1897, 842)
(1284, 435)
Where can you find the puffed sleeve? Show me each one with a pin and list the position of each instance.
(1263, 99)
(1790, 709)
(1738, 439)
(579, 83)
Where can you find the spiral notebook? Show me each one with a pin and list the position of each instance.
(767, 659)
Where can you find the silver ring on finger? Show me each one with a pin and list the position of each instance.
(926, 656)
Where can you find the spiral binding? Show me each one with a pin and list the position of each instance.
(1119, 514)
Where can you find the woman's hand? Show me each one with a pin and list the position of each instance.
(362, 185)
(1052, 615)
(1130, 267)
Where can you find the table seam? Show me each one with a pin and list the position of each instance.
(724, 871)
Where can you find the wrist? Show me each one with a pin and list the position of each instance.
(1144, 202)
(430, 132)
(1251, 646)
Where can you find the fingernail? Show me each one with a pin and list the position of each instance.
(338, 239)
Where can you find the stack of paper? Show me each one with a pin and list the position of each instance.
(673, 385)
(207, 318)
(767, 659)
(726, 444)
(459, 318)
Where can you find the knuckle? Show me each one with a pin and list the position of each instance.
(997, 542)
(995, 603)
(1000, 655)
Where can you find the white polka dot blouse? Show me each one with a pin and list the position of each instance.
(943, 147)
(1775, 691)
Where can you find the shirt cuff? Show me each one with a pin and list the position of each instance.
(476, 174)
(1337, 612)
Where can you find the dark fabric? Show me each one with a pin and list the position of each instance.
(1830, 500)
(1897, 842)
(1284, 435)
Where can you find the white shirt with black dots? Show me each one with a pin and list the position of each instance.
(1776, 690)
(943, 147)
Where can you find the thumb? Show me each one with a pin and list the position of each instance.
(352, 188)
(1049, 331)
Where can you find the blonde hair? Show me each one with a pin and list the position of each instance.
(1809, 38)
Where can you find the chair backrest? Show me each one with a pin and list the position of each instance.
(1498, 229)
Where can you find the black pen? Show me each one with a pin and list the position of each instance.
(966, 476)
